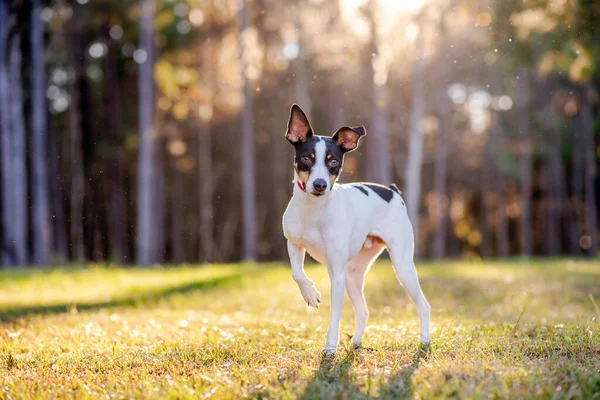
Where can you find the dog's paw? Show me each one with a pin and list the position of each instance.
(329, 351)
(355, 342)
(311, 295)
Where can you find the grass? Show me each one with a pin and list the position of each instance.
(519, 329)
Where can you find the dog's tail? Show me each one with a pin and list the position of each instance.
(395, 188)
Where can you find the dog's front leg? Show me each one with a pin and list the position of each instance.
(311, 295)
(337, 277)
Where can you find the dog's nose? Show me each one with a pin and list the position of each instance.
(320, 185)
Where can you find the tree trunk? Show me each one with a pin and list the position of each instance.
(378, 153)
(205, 162)
(485, 207)
(177, 204)
(577, 178)
(9, 251)
(502, 239)
(247, 155)
(76, 144)
(550, 209)
(501, 225)
(19, 153)
(57, 195)
(206, 192)
(525, 165)
(146, 220)
(440, 178)
(415, 145)
(589, 180)
(40, 206)
(117, 218)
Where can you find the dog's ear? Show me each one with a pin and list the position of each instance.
(298, 129)
(347, 138)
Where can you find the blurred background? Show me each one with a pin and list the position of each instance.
(152, 131)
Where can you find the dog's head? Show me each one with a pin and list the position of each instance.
(319, 159)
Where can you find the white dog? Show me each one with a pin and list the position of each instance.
(344, 226)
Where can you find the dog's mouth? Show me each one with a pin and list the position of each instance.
(318, 194)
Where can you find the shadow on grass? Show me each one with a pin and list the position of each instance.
(399, 384)
(333, 379)
(13, 313)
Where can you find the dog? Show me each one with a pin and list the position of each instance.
(345, 227)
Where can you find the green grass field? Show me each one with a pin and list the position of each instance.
(519, 329)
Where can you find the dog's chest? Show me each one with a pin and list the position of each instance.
(308, 230)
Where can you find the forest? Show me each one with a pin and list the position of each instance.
(152, 131)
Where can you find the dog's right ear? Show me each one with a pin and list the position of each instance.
(298, 129)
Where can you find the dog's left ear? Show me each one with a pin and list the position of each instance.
(347, 138)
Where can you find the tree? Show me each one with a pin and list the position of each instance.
(8, 223)
(525, 163)
(40, 204)
(18, 153)
(415, 140)
(378, 153)
(145, 191)
(247, 173)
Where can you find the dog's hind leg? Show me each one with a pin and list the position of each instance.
(401, 253)
(356, 270)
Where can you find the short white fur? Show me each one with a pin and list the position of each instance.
(319, 170)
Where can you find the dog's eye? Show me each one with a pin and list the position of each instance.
(306, 160)
(333, 162)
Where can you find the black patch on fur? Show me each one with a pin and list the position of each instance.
(386, 193)
(362, 189)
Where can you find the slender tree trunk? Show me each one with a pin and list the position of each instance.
(501, 225)
(378, 156)
(486, 190)
(159, 210)
(576, 179)
(301, 80)
(40, 204)
(76, 144)
(205, 161)
(415, 144)
(176, 189)
(247, 155)
(502, 239)
(589, 180)
(146, 219)
(206, 192)
(550, 209)
(57, 194)
(116, 197)
(525, 166)
(19, 153)
(561, 205)
(440, 178)
(9, 233)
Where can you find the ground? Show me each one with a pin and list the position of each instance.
(526, 329)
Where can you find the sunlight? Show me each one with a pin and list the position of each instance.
(387, 10)
(388, 6)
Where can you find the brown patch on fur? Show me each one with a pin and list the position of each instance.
(332, 179)
(373, 241)
(303, 176)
